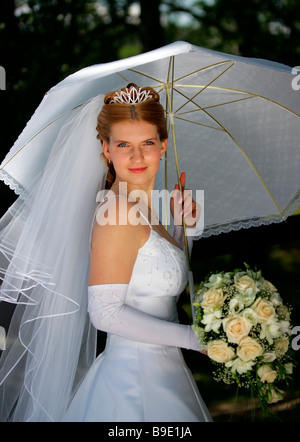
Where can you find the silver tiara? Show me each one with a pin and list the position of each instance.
(131, 96)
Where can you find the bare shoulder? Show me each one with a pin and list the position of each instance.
(114, 220)
(115, 243)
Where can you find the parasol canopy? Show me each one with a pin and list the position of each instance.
(234, 127)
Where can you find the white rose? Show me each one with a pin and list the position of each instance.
(270, 331)
(239, 365)
(213, 298)
(250, 314)
(215, 281)
(219, 351)
(236, 328)
(212, 320)
(246, 286)
(249, 349)
(269, 356)
(264, 309)
(267, 374)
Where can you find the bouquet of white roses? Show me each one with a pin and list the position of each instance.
(246, 330)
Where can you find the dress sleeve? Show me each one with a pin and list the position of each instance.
(109, 312)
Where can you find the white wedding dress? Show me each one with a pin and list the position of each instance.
(141, 376)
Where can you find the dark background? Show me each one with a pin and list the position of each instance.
(41, 42)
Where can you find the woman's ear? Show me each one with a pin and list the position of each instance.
(163, 149)
(105, 148)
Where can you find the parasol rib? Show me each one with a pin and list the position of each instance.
(214, 105)
(240, 148)
(171, 119)
(206, 86)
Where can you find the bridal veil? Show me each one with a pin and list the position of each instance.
(44, 260)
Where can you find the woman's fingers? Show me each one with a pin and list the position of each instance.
(182, 180)
(187, 201)
(183, 205)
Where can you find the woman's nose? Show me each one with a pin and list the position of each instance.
(136, 154)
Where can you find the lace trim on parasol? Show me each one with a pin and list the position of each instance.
(11, 182)
(252, 222)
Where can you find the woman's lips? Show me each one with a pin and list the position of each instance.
(138, 169)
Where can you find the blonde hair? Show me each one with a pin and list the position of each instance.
(150, 111)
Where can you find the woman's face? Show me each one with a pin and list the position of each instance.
(135, 150)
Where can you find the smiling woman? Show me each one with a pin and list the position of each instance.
(76, 274)
(135, 150)
(137, 272)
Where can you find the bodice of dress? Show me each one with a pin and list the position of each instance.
(158, 277)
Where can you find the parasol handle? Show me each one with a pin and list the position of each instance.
(192, 292)
(181, 184)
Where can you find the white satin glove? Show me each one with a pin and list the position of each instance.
(109, 313)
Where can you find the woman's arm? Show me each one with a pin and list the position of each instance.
(114, 244)
(110, 313)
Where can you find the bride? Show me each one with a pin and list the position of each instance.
(127, 273)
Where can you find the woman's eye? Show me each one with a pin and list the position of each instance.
(149, 143)
(122, 145)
